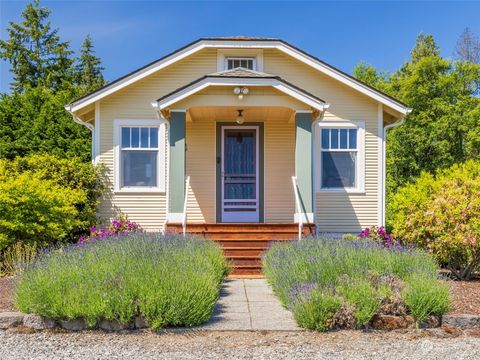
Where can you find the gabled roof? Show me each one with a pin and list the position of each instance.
(238, 42)
(240, 77)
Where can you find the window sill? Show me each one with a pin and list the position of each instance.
(344, 190)
(139, 190)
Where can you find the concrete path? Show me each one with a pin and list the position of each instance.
(249, 304)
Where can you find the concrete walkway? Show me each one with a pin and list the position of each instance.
(249, 304)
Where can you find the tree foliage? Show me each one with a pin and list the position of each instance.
(443, 127)
(46, 76)
(468, 47)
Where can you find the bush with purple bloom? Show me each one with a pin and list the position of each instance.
(118, 226)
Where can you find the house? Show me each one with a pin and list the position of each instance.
(241, 131)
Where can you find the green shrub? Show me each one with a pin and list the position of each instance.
(315, 310)
(167, 279)
(359, 273)
(17, 258)
(441, 214)
(363, 296)
(33, 210)
(46, 199)
(425, 296)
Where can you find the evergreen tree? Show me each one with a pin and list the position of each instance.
(89, 67)
(35, 52)
(425, 46)
(468, 47)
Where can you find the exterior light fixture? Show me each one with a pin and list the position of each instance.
(240, 91)
(240, 118)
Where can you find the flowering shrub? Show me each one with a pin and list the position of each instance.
(377, 234)
(333, 283)
(118, 226)
(441, 214)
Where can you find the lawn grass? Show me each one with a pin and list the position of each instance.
(319, 278)
(170, 280)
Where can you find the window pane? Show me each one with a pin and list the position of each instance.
(334, 138)
(125, 137)
(144, 137)
(338, 169)
(135, 138)
(139, 168)
(326, 138)
(352, 139)
(153, 137)
(343, 138)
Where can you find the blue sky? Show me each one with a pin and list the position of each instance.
(129, 34)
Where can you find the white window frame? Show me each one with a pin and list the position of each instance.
(223, 54)
(360, 160)
(161, 158)
(254, 61)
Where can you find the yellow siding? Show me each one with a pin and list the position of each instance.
(134, 102)
(279, 135)
(335, 212)
(338, 212)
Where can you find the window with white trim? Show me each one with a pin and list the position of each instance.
(243, 62)
(139, 157)
(340, 158)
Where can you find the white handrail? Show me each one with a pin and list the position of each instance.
(298, 207)
(184, 218)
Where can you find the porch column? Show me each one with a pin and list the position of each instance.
(176, 165)
(303, 164)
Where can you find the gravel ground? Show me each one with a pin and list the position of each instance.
(414, 344)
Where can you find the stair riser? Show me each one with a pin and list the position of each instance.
(244, 252)
(240, 271)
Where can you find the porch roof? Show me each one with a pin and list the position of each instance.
(240, 77)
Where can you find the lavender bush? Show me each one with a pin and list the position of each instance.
(168, 279)
(365, 276)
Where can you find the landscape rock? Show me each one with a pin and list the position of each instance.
(10, 319)
(445, 331)
(38, 322)
(431, 321)
(140, 322)
(113, 325)
(462, 321)
(391, 322)
(74, 325)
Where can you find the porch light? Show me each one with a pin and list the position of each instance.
(240, 91)
(240, 118)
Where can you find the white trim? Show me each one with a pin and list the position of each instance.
(161, 180)
(380, 180)
(96, 155)
(241, 216)
(174, 218)
(304, 217)
(209, 81)
(238, 45)
(384, 165)
(222, 54)
(360, 165)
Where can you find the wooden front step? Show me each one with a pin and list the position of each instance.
(245, 244)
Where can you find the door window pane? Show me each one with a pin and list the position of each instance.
(240, 152)
(239, 191)
(139, 168)
(338, 169)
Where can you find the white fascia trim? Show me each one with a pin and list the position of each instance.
(232, 44)
(194, 88)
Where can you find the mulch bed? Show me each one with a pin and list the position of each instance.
(466, 297)
(6, 295)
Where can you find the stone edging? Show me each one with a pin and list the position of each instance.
(13, 319)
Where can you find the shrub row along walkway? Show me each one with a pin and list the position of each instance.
(249, 304)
